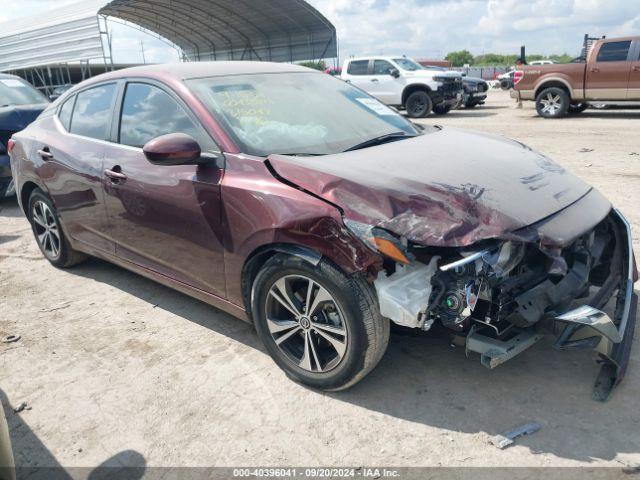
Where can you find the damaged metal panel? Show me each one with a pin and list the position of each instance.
(436, 195)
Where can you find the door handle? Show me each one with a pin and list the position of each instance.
(45, 153)
(636, 69)
(595, 70)
(375, 80)
(115, 175)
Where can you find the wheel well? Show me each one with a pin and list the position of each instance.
(553, 83)
(413, 88)
(261, 255)
(25, 193)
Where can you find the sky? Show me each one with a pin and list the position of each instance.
(420, 28)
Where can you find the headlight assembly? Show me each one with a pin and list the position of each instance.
(380, 241)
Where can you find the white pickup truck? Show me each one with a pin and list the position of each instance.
(402, 82)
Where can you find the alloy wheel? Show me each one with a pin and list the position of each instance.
(46, 229)
(306, 323)
(551, 104)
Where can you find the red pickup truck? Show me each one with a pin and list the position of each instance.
(609, 71)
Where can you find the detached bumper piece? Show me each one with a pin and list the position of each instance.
(589, 327)
(494, 352)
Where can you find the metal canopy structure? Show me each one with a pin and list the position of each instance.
(73, 33)
(269, 30)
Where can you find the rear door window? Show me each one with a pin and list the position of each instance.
(65, 112)
(92, 113)
(614, 51)
(358, 67)
(149, 112)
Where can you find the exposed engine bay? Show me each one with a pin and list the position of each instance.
(501, 296)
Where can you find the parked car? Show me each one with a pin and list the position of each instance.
(474, 89)
(298, 202)
(401, 82)
(20, 104)
(611, 73)
(506, 80)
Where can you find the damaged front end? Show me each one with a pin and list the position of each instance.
(500, 296)
(489, 238)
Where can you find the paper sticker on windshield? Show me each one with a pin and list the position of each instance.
(12, 82)
(376, 106)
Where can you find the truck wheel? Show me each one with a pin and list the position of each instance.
(323, 328)
(575, 108)
(552, 102)
(441, 109)
(419, 105)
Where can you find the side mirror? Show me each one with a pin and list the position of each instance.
(173, 149)
(394, 72)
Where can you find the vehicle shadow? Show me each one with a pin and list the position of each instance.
(35, 461)
(423, 379)
(613, 114)
(9, 208)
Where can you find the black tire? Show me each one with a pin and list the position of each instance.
(441, 109)
(506, 84)
(63, 256)
(418, 104)
(576, 108)
(553, 102)
(367, 332)
(471, 105)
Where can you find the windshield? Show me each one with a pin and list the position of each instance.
(15, 91)
(296, 113)
(406, 64)
(433, 67)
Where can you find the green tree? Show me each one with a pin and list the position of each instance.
(460, 59)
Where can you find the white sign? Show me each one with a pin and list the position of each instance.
(376, 106)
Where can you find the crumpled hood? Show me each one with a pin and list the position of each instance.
(445, 188)
(14, 118)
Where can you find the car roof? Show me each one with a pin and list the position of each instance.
(187, 70)
(8, 75)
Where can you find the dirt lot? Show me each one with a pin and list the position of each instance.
(112, 362)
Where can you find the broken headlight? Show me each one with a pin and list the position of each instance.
(381, 241)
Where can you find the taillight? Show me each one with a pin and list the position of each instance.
(517, 76)
(10, 144)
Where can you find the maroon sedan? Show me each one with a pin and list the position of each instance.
(297, 202)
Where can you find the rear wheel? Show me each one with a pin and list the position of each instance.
(552, 103)
(418, 104)
(322, 328)
(45, 224)
(441, 109)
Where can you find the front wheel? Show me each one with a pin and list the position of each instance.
(418, 104)
(552, 103)
(322, 328)
(441, 109)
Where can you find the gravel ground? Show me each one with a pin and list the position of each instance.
(110, 362)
